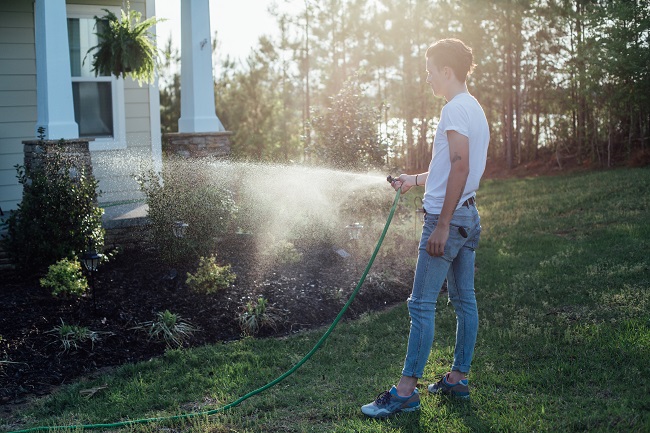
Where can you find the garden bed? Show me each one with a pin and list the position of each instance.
(136, 284)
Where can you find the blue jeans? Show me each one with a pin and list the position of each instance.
(457, 265)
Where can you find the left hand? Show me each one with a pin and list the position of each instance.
(437, 240)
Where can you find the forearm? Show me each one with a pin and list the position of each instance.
(420, 179)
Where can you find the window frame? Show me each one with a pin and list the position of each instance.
(118, 141)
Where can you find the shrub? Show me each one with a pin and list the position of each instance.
(210, 277)
(170, 328)
(73, 335)
(255, 315)
(283, 252)
(58, 216)
(65, 279)
(189, 194)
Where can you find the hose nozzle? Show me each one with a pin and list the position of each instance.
(391, 179)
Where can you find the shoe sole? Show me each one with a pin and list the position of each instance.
(389, 414)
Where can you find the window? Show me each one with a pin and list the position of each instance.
(98, 101)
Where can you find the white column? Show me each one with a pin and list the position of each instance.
(55, 109)
(197, 90)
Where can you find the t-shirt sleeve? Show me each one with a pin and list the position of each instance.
(455, 118)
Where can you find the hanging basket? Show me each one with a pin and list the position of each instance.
(126, 47)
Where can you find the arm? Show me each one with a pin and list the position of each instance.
(459, 156)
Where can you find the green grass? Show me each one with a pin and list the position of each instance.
(564, 339)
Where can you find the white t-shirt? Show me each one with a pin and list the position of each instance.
(464, 115)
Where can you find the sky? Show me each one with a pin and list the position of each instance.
(239, 23)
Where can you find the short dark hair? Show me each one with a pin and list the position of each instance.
(454, 54)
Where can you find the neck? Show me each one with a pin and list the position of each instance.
(454, 89)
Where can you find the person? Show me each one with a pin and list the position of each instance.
(450, 232)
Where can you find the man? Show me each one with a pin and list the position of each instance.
(450, 233)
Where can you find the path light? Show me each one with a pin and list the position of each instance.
(354, 230)
(90, 260)
(179, 228)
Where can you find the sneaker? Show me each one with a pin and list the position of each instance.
(389, 403)
(460, 389)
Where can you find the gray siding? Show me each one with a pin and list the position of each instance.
(17, 93)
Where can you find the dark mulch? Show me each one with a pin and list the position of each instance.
(135, 285)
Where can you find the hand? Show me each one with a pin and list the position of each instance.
(404, 182)
(437, 240)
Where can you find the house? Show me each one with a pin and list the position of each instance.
(44, 81)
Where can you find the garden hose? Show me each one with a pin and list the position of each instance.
(259, 390)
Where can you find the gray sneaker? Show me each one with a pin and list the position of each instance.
(460, 389)
(389, 403)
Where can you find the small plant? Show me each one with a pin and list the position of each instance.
(73, 335)
(256, 314)
(210, 277)
(170, 328)
(66, 279)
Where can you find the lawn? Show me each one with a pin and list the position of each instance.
(564, 339)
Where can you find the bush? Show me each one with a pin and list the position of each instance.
(58, 216)
(283, 252)
(65, 279)
(210, 277)
(186, 192)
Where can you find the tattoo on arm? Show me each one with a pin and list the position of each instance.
(455, 158)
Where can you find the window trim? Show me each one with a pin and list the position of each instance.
(118, 141)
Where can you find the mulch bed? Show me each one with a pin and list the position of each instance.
(136, 284)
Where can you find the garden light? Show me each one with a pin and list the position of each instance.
(90, 260)
(179, 228)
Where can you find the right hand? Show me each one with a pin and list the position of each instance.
(404, 181)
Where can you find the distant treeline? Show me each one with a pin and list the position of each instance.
(344, 83)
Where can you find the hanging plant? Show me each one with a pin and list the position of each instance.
(126, 47)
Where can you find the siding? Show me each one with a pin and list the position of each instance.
(17, 93)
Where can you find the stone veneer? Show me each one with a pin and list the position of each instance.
(36, 150)
(198, 144)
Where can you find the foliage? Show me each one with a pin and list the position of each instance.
(188, 194)
(210, 277)
(170, 328)
(125, 47)
(255, 315)
(347, 132)
(281, 251)
(58, 216)
(560, 82)
(73, 335)
(65, 278)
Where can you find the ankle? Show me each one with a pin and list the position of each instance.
(456, 376)
(406, 386)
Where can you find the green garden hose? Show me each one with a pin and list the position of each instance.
(259, 390)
